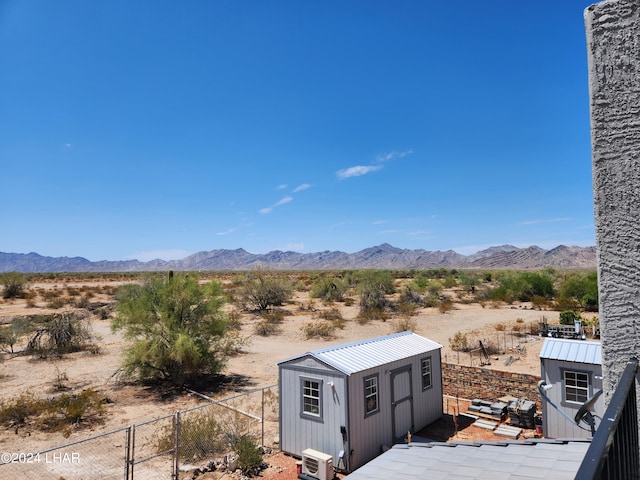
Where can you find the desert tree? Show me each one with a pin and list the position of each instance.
(13, 284)
(579, 290)
(174, 325)
(262, 289)
(328, 288)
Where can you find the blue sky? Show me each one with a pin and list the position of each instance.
(158, 129)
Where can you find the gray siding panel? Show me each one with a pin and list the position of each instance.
(556, 425)
(298, 432)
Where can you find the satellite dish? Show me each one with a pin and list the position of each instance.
(584, 413)
(586, 406)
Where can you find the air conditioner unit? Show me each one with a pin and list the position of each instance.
(317, 464)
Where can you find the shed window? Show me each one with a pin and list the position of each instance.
(311, 400)
(371, 395)
(576, 386)
(425, 364)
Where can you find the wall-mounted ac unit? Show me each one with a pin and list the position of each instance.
(317, 464)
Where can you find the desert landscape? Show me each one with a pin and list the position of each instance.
(253, 366)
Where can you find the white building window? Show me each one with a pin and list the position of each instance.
(311, 398)
(576, 386)
(425, 365)
(371, 395)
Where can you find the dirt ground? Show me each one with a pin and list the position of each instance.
(255, 367)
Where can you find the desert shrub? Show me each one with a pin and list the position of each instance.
(13, 284)
(201, 436)
(334, 316)
(459, 342)
(500, 327)
(60, 334)
(449, 281)
(404, 325)
(410, 296)
(445, 306)
(274, 316)
(265, 328)
(16, 411)
(579, 291)
(261, 290)
(248, 452)
(235, 320)
(348, 301)
(330, 289)
(568, 317)
(406, 309)
(540, 302)
(54, 413)
(319, 329)
(369, 314)
(72, 409)
(534, 328)
(57, 303)
(231, 344)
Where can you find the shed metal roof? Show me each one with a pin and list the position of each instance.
(577, 351)
(523, 459)
(359, 356)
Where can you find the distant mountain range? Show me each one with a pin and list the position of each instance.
(383, 256)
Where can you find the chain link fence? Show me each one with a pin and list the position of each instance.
(159, 448)
(103, 456)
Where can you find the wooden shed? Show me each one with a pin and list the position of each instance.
(359, 398)
(572, 370)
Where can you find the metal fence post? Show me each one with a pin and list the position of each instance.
(127, 455)
(133, 448)
(176, 445)
(262, 420)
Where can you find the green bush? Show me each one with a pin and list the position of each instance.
(13, 284)
(200, 436)
(248, 453)
(329, 289)
(568, 317)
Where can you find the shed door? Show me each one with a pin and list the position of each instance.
(401, 403)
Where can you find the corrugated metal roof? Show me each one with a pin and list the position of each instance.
(578, 351)
(358, 356)
(524, 459)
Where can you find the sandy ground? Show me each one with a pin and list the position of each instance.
(255, 367)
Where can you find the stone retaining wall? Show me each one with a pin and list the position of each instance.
(483, 383)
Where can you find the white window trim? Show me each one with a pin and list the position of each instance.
(303, 412)
(375, 394)
(575, 387)
(422, 375)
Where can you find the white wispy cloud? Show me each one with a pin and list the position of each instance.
(379, 222)
(357, 171)
(302, 187)
(282, 186)
(282, 201)
(547, 220)
(360, 170)
(385, 157)
(227, 232)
